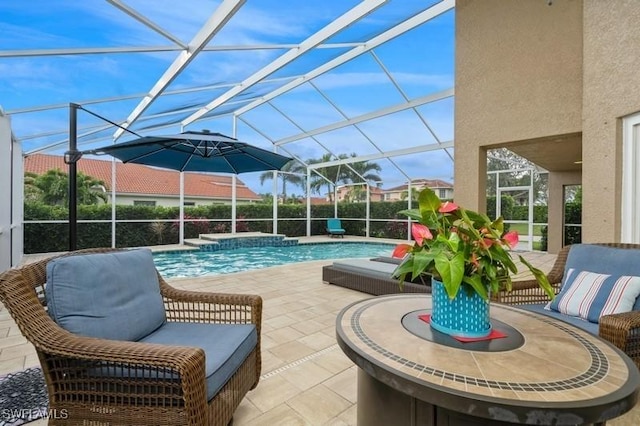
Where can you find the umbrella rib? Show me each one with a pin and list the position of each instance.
(146, 154)
(230, 165)
(184, 166)
(269, 166)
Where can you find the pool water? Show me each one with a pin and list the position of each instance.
(199, 263)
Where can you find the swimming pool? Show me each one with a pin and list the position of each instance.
(199, 263)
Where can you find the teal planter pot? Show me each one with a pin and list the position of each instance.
(467, 315)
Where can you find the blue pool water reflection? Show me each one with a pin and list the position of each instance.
(197, 263)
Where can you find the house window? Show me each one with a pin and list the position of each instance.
(442, 193)
(144, 203)
(189, 203)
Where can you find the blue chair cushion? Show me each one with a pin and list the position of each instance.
(226, 346)
(539, 308)
(334, 226)
(112, 296)
(604, 260)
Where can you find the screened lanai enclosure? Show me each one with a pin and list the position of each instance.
(358, 93)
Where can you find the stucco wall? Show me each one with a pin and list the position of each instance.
(518, 77)
(611, 91)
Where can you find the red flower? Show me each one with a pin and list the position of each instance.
(448, 207)
(511, 238)
(488, 242)
(401, 250)
(420, 233)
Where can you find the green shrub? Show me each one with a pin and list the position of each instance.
(159, 225)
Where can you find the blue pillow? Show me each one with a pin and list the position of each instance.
(112, 295)
(604, 260)
(589, 295)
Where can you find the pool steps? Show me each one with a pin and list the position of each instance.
(215, 242)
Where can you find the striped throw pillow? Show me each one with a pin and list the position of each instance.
(589, 295)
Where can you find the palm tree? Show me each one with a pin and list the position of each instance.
(366, 169)
(414, 194)
(327, 176)
(351, 173)
(52, 188)
(292, 174)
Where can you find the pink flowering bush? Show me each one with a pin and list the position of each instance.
(460, 248)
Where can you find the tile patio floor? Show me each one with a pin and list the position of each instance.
(306, 380)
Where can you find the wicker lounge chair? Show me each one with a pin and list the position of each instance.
(623, 329)
(371, 276)
(101, 381)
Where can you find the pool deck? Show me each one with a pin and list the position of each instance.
(306, 379)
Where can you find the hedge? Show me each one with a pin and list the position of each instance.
(160, 224)
(511, 211)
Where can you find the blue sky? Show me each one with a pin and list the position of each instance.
(421, 61)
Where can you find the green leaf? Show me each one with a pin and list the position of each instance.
(412, 213)
(541, 278)
(451, 272)
(450, 244)
(468, 223)
(402, 271)
(498, 225)
(499, 254)
(429, 202)
(475, 281)
(421, 261)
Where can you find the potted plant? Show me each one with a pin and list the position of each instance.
(467, 255)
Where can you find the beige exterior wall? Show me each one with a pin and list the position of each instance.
(518, 77)
(611, 91)
(443, 193)
(528, 71)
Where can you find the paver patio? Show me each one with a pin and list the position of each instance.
(306, 379)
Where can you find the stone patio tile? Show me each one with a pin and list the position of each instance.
(318, 405)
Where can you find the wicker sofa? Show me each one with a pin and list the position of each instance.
(198, 380)
(372, 276)
(605, 259)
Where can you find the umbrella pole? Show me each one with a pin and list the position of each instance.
(181, 210)
(71, 157)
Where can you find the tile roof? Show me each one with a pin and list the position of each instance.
(431, 183)
(140, 179)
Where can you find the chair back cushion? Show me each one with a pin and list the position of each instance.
(334, 224)
(113, 295)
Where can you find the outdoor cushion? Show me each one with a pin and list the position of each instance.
(366, 267)
(539, 308)
(604, 260)
(226, 346)
(106, 295)
(379, 267)
(590, 295)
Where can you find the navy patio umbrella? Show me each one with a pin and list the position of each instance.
(196, 152)
(185, 152)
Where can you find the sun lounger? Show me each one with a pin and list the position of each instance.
(334, 228)
(370, 276)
